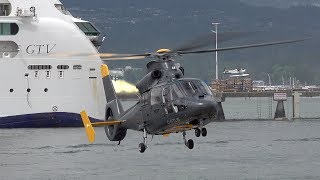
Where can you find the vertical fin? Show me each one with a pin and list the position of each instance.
(107, 83)
(109, 91)
(88, 126)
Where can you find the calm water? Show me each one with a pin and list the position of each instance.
(232, 150)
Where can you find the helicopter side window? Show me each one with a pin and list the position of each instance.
(156, 96)
(168, 99)
(145, 98)
(167, 95)
(187, 87)
(176, 91)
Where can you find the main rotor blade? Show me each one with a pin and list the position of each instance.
(122, 58)
(106, 55)
(241, 47)
(209, 39)
(110, 56)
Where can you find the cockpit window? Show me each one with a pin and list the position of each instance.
(187, 87)
(206, 88)
(5, 9)
(201, 87)
(195, 87)
(88, 28)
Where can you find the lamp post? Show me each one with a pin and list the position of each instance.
(216, 33)
(269, 78)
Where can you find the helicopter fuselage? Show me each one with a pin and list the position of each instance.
(179, 103)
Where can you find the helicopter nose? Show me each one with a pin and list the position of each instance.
(208, 107)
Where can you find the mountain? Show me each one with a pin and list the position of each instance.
(282, 3)
(146, 25)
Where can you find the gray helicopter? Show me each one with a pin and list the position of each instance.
(168, 102)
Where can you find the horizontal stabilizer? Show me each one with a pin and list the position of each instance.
(88, 126)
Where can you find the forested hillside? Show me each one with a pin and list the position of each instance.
(145, 25)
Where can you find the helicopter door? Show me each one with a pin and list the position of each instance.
(154, 109)
(168, 100)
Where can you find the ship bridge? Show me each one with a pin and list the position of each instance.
(92, 33)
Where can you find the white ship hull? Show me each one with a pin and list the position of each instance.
(54, 73)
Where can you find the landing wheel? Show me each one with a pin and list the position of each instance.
(142, 147)
(197, 132)
(190, 144)
(204, 132)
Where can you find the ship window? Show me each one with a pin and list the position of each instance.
(61, 74)
(88, 28)
(63, 67)
(77, 67)
(8, 28)
(39, 67)
(5, 9)
(62, 9)
(8, 49)
(48, 74)
(36, 74)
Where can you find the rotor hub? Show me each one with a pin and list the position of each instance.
(163, 51)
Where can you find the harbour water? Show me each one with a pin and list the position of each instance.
(232, 150)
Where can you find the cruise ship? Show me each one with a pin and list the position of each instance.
(48, 65)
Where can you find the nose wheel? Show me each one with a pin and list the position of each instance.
(143, 146)
(189, 143)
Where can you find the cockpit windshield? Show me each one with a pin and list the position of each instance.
(191, 87)
(179, 89)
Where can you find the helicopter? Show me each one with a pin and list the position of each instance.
(168, 101)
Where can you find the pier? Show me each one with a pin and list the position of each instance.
(279, 97)
(265, 93)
